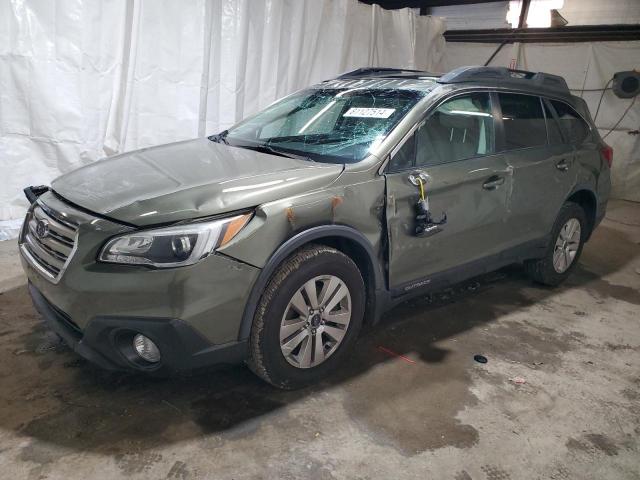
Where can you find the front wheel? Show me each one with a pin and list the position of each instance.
(567, 239)
(308, 317)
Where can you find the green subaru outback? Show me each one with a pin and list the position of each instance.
(274, 241)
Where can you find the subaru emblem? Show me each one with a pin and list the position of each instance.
(42, 228)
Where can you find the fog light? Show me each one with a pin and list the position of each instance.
(146, 348)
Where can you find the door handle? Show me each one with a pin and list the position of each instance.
(493, 182)
(418, 176)
(562, 165)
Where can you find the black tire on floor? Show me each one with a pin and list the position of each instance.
(265, 356)
(542, 270)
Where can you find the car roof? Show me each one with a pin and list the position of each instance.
(424, 84)
(539, 83)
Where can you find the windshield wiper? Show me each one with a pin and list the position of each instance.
(264, 148)
(261, 147)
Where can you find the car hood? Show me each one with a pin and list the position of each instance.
(184, 180)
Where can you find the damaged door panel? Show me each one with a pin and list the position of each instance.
(473, 195)
(447, 192)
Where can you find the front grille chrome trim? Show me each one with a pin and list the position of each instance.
(59, 228)
(50, 254)
(39, 267)
(41, 253)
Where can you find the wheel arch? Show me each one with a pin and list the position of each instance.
(586, 198)
(341, 237)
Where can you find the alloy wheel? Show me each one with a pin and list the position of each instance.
(315, 321)
(567, 245)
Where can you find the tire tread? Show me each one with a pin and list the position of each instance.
(255, 360)
(541, 270)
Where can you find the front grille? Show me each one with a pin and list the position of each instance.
(48, 240)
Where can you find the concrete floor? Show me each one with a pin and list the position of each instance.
(433, 414)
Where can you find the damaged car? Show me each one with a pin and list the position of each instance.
(275, 241)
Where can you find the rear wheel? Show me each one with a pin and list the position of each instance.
(567, 239)
(308, 317)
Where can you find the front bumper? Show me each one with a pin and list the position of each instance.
(106, 341)
(192, 313)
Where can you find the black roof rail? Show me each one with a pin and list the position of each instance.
(502, 76)
(384, 72)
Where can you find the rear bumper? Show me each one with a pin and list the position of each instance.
(106, 340)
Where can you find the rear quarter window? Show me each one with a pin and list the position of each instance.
(553, 128)
(574, 128)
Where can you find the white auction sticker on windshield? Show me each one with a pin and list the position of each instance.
(363, 112)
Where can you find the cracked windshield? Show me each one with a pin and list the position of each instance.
(330, 125)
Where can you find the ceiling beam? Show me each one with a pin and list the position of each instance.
(579, 33)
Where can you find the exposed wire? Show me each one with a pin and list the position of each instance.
(621, 118)
(495, 53)
(601, 97)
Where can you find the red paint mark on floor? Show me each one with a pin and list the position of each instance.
(394, 354)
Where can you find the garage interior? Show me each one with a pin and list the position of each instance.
(559, 394)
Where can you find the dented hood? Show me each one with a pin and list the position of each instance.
(185, 180)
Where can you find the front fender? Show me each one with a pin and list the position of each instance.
(294, 243)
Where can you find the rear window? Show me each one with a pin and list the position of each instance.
(573, 126)
(523, 121)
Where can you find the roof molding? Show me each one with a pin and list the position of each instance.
(504, 77)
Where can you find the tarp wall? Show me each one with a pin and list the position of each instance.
(80, 80)
(587, 67)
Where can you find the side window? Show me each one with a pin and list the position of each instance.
(523, 121)
(460, 128)
(404, 158)
(553, 129)
(573, 126)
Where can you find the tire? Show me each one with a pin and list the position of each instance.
(543, 270)
(276, 326)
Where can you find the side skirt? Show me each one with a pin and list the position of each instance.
(452, 276)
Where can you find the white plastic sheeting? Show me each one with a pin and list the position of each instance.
(82, 79)
(586, 67)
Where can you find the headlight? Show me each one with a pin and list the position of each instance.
(173, 246)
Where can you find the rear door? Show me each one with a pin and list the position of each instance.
(453, 151)
(542, 162)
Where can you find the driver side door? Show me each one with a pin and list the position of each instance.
(453, 151)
